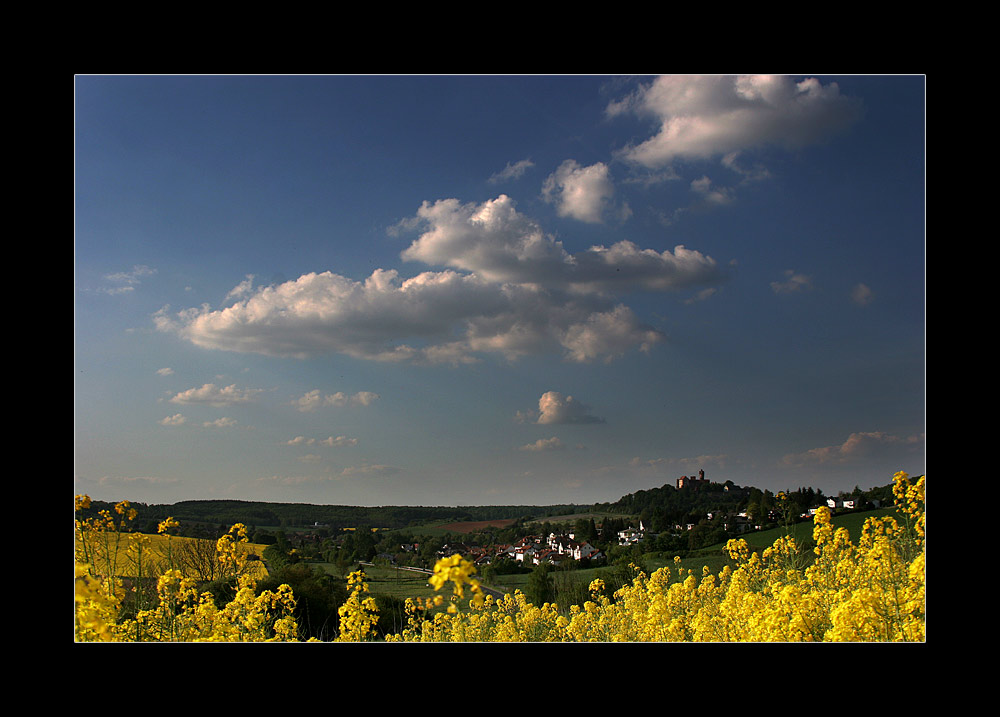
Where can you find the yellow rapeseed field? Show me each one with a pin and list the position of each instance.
(869, 592)
(143, 555)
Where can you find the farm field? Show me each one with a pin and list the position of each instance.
(152, 554)
(712, 594)
(469, 526)
(390, 581)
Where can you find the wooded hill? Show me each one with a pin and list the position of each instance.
(302, 515)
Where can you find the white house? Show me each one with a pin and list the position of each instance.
(630, 535)
(849, 503)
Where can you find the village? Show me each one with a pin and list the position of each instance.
(531, 550)
(557, 548)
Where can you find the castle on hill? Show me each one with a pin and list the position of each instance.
(692, 481)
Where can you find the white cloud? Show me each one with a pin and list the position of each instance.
(858, 446)
(710, 192)
(241, 289)
(310, 402)
(165, 372)
(223, 422)
(323, 313)
(129, 480)
(175, 420)
(288, 480)
(607, 336)
(544, 444)
(364, 398)
(708, 117)
(625, 266)
(553, 407)
(214, 395)
(510, 290)
(131, 277)
(314, 400)
(583, 193)
(376, 470)
(330, 442)
(794, 282)
(500, 244)
(512, 171)
(702, 295)
(339, 441)
(718, 459)
(684, 464)
(126, 281)
(862, 295)
(492, 239)
(432, 317)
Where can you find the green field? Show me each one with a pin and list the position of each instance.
(852, 520)
(390, 581)
(402, 584)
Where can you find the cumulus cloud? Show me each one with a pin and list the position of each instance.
(507, 289)
(223, 422)
(326, 312)
(364, 398)
(708, 117)
(165, 372)
(217, 396)
(339, 441)
(858, 446)
(175, 420)
(607, 336)
(553, 407)
(544, 444)
(492, 239)
(432, 318)
(499, 243)
(314, 400)
(583, 193)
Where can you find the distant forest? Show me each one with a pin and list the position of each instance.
(302, 515)
(658, 507)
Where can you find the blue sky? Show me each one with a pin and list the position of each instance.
(454, 290)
